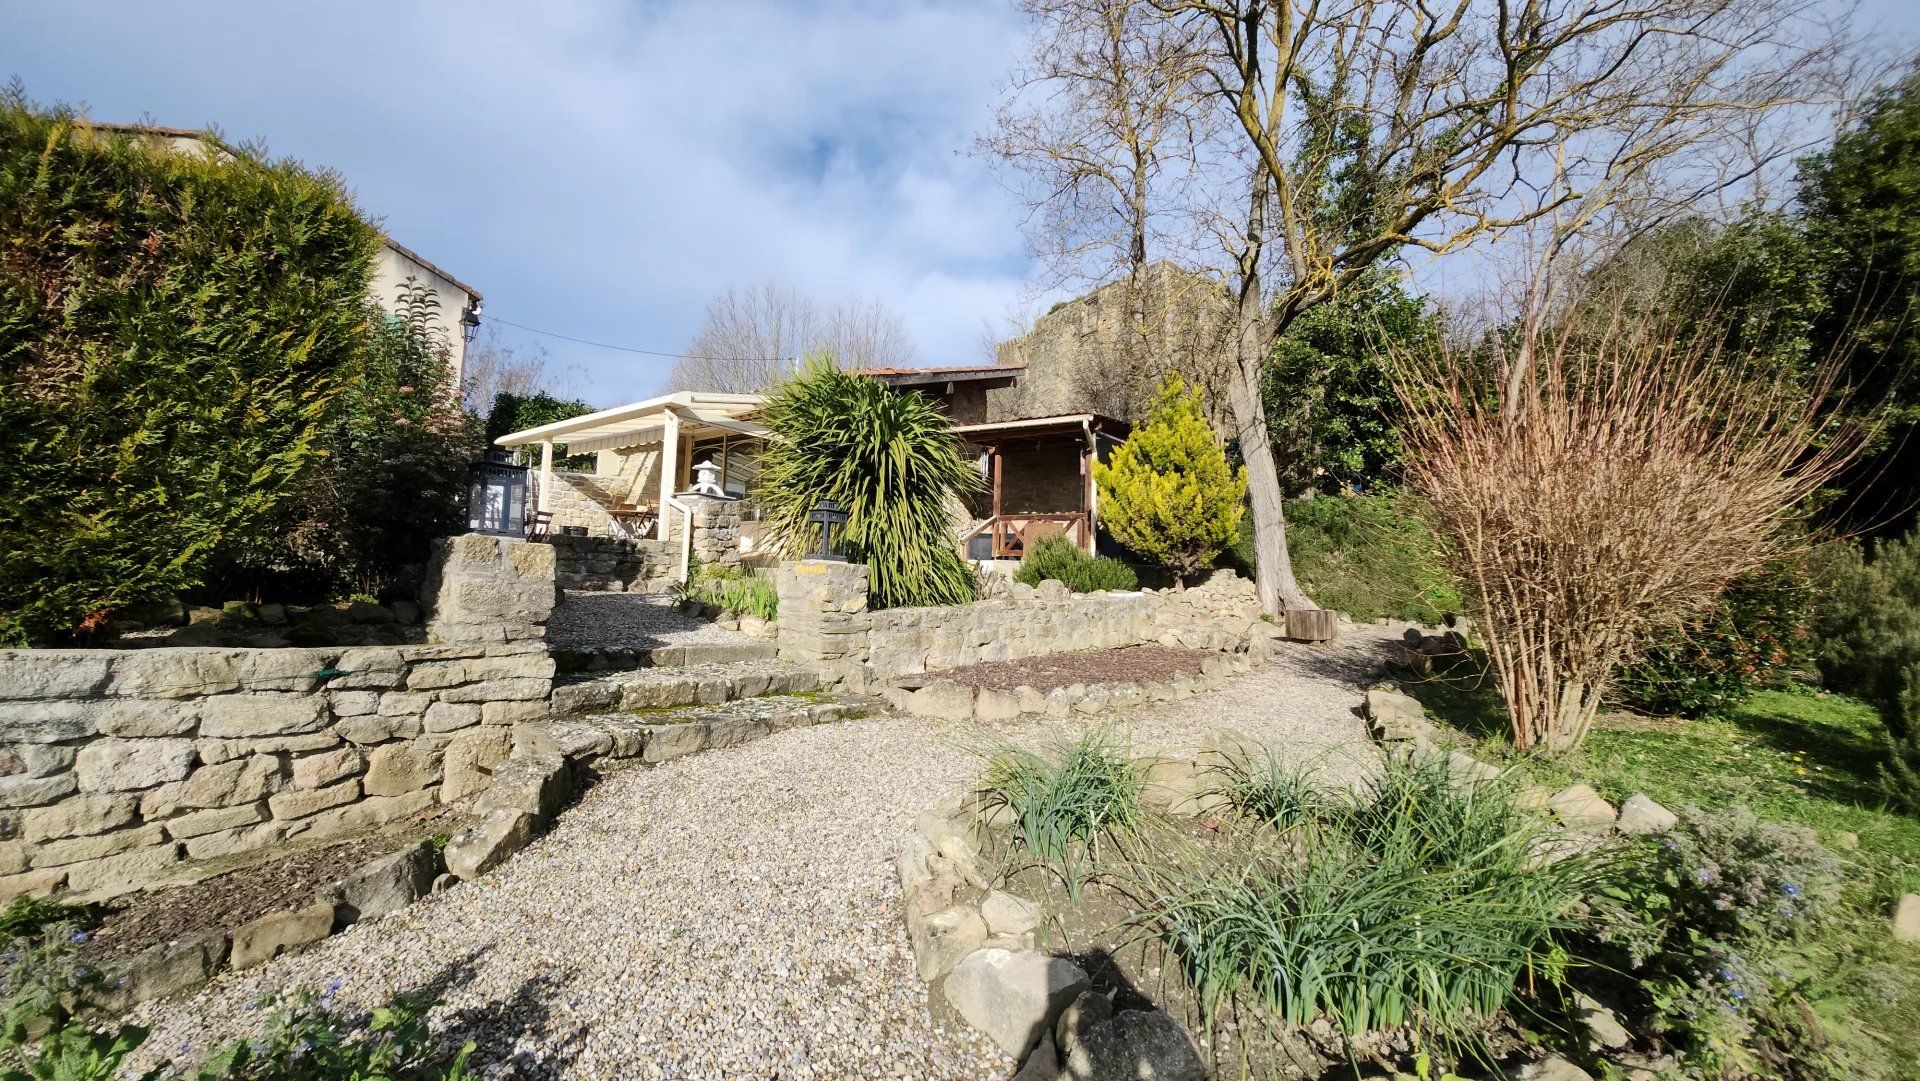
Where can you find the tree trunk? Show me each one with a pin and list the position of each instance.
(1279, 590)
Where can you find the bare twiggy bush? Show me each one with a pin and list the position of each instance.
(1634, 475)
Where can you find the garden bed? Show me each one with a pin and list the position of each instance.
(1046, 672)
(130, 923)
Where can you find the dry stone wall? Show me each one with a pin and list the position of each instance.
(611, 564)
(121, 769)
(824, 621)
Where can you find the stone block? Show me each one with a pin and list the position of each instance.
(1641, 815)
(1013, 997)
(400, 767)
(996, 705)
(1008, 914)
(137, 717)
(665, 742)
(499, 690)
(215, 751)
(228, 842)
(122, 872)
(731, 731)
(942, 939)
(215, 820)
(223, 784)
(451, 716)
(244, 716)
(386, 884)
(277, 932)
(512, 712)
(1580, 806)
(1906, 918)
(488, 844)
(111, 764)
(299, 803)
(366, 731)
(354, 703)
(364, 814)
(404, 703)
(327, 767)
(943, 701)
(533, 786)
(53, 674)
(31, 883)
(78, 816)
(468, 764)
(167, 968)
(48, 722)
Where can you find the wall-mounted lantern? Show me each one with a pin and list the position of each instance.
(470, 320)
(827, 515)
(497, 495)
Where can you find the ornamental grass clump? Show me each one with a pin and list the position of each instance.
(1063, 806)
(891, 461)
(1417, 902)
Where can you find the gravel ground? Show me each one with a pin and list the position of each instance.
(628, 621)
(733, 913)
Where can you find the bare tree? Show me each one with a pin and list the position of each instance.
(1360, 130)
(754, 335)
(493, 368)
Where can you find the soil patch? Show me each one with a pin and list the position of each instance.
(1131, 664)
(131, 923)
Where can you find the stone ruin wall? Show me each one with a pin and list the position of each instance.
(123, 769)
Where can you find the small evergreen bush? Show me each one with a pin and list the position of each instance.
(1169, 492)
(1055, 557)
(1761, 630)
(1869, 646)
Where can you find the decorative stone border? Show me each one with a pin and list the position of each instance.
(929, 696)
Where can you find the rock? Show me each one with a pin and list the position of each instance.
(953, 839)
(1043, 1064)
(277, 932)
(943, 701)
(78, 816)
(125, 765)
(299, 803)
(1013, 997)
(665, 742)
(467, 768)
(533, 785)
(166, 968)
(1579, 805)
(368, 612)
(1604, 1030)
(242, 716)
(400, 767)
(319, 770)
(1550, 1069)
(1079, 1018)
(993, 705)
(1134, 1045)
(1641, 815)
(404, 611)
(385, 885)
(274, 614)
(1906, 919)
(1847, 840)
(941, 939)
(1007, 914)
(489, 844)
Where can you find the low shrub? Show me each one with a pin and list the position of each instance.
(1055, 557)
(1761, 630)
(1709, 927)
(1418, 902)
(735, 592)
(1061, 806)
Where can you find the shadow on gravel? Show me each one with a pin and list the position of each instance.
(1352, 660)
(513, 1036)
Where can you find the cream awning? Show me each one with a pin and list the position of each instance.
(695, 413)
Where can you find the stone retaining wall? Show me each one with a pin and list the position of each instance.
(611, 564)
(121, 769)
(824, 620)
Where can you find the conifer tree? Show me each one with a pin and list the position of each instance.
(1169, 493)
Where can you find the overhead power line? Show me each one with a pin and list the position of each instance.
(633, 349)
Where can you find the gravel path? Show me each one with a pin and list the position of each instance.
(628, 621)
(733, 913)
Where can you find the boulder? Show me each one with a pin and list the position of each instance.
(941, 939)
(489, 844)
(1079, 1018)
(1604, 1030)
(1580, 806)
(277, 932)
(1043, 1064)
(166, 968)
(1007, 914)
(1013, 997)
(1134, 1045)
(1550, 1069)
(1641, 815)
(387, 884)
(1906, 919)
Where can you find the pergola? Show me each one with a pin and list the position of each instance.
(674, 421)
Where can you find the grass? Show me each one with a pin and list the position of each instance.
(1368, 556)
(1799, 756)
(1062, 805)
(1418, 902)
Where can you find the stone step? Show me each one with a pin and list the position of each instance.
(668, 688)
(661, 735)
(618, 659)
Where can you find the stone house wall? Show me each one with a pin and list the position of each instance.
(582, 499)
(824, 620)
(123, 769)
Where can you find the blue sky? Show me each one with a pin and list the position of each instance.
(602, 168)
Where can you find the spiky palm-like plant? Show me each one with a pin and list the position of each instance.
(890, 460)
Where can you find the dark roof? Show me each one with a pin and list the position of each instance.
(1028, 427)
(959, 373)
(214, 140)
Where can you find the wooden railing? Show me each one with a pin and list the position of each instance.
(1011, 533)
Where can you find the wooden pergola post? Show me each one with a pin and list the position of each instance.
(669, 470)
(546, 474)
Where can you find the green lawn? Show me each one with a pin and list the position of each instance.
(1793, 756)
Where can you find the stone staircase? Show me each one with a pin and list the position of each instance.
(626, 659)
(656, 714)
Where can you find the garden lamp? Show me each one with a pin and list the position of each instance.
(497, 495)
(826, 515)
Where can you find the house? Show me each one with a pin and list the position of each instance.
(459, 303)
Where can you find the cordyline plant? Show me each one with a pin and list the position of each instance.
(1636, 473)
(891, 461)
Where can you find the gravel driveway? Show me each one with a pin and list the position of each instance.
(733, 913)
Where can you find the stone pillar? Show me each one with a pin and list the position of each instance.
(488, 589)
(823, 612)
(716, 528)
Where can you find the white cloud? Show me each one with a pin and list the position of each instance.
(601, 168)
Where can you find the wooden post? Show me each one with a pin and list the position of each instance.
(669, 470)
(994, 522)
(1312, 624)
(546, 474)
